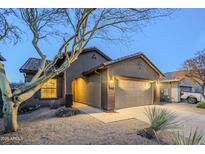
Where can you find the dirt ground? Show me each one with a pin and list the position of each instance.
(42, 127)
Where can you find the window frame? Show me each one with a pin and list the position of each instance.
(49, 98)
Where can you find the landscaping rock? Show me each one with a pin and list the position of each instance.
(66, 112)
(147, 133)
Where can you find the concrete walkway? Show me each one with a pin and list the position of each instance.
(189, 119)
(105, 117)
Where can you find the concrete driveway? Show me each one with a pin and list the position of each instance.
(188, 115)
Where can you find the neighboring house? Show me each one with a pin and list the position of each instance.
(96, 80)
(171, 86)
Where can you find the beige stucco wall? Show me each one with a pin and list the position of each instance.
(88, 90)
(82, 64)
(133, 68)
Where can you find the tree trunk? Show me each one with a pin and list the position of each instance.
(9, 108)
(10, 117)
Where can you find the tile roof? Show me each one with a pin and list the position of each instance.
(170, 76)
(122, 58)
(32, 65)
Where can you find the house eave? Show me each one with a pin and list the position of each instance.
(124, 77)
(174, 80)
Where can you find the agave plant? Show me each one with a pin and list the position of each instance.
(161, 119)
(193, 139)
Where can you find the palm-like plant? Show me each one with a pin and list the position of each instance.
(160, 119)
(193, 139)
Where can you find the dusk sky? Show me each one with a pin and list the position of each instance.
(166, 42)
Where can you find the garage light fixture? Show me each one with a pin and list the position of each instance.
(157, 83)
(147, 85)
(111, 84)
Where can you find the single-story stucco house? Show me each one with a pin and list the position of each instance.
(97, 80)
(171, 86)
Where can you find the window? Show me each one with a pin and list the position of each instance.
(48, 90)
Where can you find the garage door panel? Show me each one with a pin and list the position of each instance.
(129, 93)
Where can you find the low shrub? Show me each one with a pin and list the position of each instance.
(66, 112)
(201, 105)
(193, 139)
(28, 109)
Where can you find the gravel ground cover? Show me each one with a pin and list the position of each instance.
(42, 127)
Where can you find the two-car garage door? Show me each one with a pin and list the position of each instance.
(131, 93)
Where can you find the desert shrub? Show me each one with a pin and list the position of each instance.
(66, 112)
(161, 119)
(28, 108)
(55, 105)
(201, 105)
(193, 139)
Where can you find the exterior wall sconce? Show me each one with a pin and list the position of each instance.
(158, 83)
(147, 85)
(111, 84)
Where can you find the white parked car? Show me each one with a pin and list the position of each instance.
(192, 97)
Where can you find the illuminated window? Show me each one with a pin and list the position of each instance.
(48, 90)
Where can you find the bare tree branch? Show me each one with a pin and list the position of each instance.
(8, 31)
